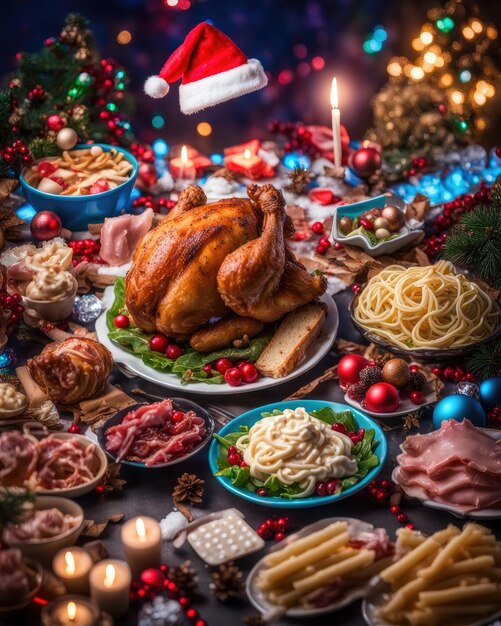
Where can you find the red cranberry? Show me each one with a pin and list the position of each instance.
(232, 450)
(234, 459)
(280, 536)
(395, 509)
(122, 321)
(207, 369)
(233, 377)
(249, 372)
(340, 428)
(317, 228)
(177, 416)
(223, 364)
(333, 486)
(402, 518)
(321, 488)
(262, 492)
(159, 343)
(324, 241)
(174, 351)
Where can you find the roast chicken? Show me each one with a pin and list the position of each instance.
(220, 260)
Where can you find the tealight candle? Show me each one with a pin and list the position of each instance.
(183, 167)
(142, 542)
(250, 164)
(70, 611)
(336, 124)
(72, 566)
(109, 586)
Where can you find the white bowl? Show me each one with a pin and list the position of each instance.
(411, 231)
(52, 310)
(43, 550)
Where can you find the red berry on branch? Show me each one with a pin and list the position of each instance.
(317, 228)
(74, 429)
(121, 321)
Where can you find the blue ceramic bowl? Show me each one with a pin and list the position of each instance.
(251, 417)
(76, 212)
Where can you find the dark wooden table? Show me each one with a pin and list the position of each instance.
(148, 493)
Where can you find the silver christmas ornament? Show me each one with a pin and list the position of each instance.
(467, 388)
(161, 611)
(87, 308)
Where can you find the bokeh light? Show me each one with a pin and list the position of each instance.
(204, 129)
(157, 121)
(318, 63)
(124, 37)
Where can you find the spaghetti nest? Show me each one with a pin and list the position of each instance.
(426, 307)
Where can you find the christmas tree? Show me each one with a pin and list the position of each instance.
(435, 101)
(65, 84)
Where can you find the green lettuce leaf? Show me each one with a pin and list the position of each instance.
(274, 412)
(326, 414)
(118, 304)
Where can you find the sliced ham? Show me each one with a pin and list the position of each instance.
(18, 457)
(120, 236)
(150, 434)
(458, 465)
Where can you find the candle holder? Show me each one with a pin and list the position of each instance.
(72, 566)
(70, 611)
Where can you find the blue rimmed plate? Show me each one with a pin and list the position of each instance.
(251, 417)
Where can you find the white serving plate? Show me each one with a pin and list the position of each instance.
(408, 233)
(377, 594)
(406, 406)
(273, 612)
(419, 494)
(131, 363)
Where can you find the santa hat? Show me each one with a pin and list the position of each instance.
(213, 70)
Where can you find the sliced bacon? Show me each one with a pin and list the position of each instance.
(42, 524)
(150, 435)
(18, 456)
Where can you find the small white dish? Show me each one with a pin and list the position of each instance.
(52, 310)
(411, 231)
(128, 361)
(273, 612)
(405, 407)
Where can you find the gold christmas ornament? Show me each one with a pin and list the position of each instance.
(396, 372)
(346, 225)
(394, 216)
(67, 138)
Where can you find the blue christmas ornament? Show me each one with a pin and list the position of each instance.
(490, 393)
(296, 159)
(459, 407)
(490, 174)
(494, 160)
(351, 178)
(216, 158)
(474, 158)
(405, 190)
(26, 212)
(8, 359)
(457, 181)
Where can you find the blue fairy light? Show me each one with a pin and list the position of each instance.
(157, 121)
(216, 158)
(26, 212)
(160, 148)
(296, 159)
(380, 34)
(465, 76)
(456, 181)
(405, 190)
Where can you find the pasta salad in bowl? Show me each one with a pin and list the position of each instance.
(298, 454)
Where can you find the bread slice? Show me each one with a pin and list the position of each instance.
(294, 335)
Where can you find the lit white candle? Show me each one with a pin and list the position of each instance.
(72, 566)
(109, 586)
(142, 542)
(70, 611)
(183, 167)
(336, 124)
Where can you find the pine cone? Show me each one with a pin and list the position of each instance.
(227, 582)
(371, 375)
(299, 178)
(417, 381)
(184, 575)
(189, 488)
(357, 392)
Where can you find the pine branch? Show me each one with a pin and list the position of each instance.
(485, 361)
(13, 506)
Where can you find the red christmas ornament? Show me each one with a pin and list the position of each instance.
(147, 174)
(365, 162)
(317, 228)
(45, 225)
(74, 429)
(153, 577)
(349, 368)
(56, 122)
(416, 397)
(382, 398)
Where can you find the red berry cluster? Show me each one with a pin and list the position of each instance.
(417, 163)
(16, 153)
(451, 214)
(37, 93)
(454, 374)
(494, 417)
(381, 491)
(141, 592)
(274, 528)
(297, 135)
(12, 303)
(85, 250)
(323, 243)
(149, 203)
(235, 458)
(142, 152)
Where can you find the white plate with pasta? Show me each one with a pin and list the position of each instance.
(448, 579)
(303, 568)
(429, 312)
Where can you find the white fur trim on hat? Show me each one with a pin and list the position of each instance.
(156, 87)
(212, 90)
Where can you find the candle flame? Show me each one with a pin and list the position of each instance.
(140, 529)
(247, 154)
(334, 98)
(184, 154)
(71, 610)
(70, 563)
(109, 575)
